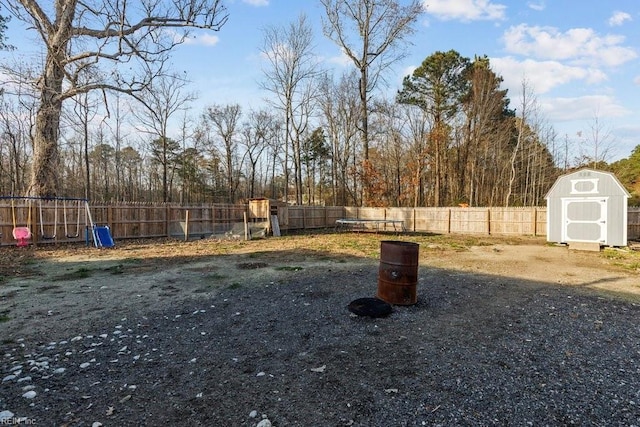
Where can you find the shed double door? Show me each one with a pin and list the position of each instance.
(585, 219)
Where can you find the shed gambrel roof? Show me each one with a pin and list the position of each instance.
(617, 188)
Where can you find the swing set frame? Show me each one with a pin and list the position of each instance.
(24, 233)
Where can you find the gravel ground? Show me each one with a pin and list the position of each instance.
(475, 350)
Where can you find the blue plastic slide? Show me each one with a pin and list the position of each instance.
(102, 236)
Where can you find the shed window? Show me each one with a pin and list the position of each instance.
(584, 186)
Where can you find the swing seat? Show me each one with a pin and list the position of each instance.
(22, 235)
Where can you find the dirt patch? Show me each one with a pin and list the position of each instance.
(505, 331)
(74, 285)
(604, 271)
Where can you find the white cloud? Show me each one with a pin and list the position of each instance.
(583, 108)
(342, 60)
(465, 10)
(618, 18)
(541, 76)
(580, 45)
(637, 80)
(279, 51)
(257, 3)
(539, 6)
(408, 71)
(202, 39)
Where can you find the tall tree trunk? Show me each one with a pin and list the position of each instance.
(364, 111)
(46, 155)
(514, 156)
(87, 166)
(165, 173)
(85, 136)
(230, 181)
(297, 163)
(287, 137)
(366, 165)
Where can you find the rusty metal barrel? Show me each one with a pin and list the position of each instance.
(398, 272)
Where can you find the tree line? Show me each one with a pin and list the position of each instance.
(449, 136)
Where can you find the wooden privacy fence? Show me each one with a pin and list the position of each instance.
(130, 220)
(503, 221)
(126, 220)
(166, 220)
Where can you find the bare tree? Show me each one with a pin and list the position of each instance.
(274, 158)
(189, 157)
(225, 121)
(370, 33)
(101, 157)
(80, 36)
(599, 140)
(84, 112)
(528, 105)
(256, 134)
(340, 113)
(119, 137)
(291, 76)
(417, 129)
(160, 101)
(15, 147)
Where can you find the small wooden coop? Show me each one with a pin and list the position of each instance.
(272, 212)
(587, 207)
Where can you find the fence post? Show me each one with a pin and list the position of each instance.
(186, 226)
(413, 219)
(167, 213)
(384, 217)
(32, 212)
(535, 222)
(489, 221)
(449, 221)
(213, 219)
(326, 217)
(246, 225)
(304, 222)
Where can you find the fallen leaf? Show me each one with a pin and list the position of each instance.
(110, 410)
(320, 369)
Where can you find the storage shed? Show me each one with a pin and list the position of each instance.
(587, 206)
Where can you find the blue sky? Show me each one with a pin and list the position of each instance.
(580, 58)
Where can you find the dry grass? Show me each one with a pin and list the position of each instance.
(16, 262)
